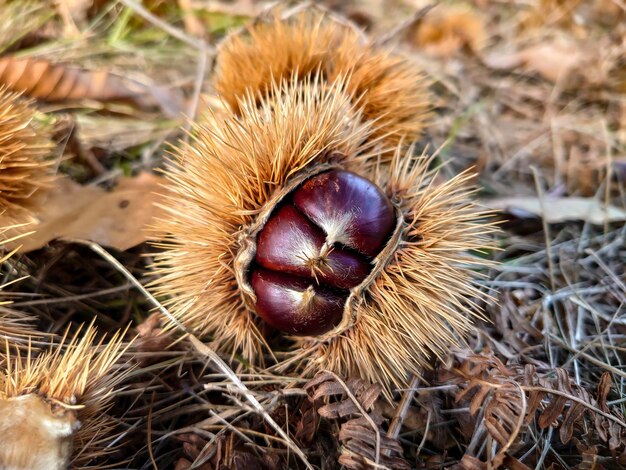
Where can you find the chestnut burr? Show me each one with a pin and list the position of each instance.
(54, 402)
(302, 196)
(25, 167)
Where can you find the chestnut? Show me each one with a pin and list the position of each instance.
(290, 243)
(315, 246)
(350, 209)
(295, 305)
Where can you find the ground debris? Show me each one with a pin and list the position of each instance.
(364, 444)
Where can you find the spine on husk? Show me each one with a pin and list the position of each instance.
(307, 100)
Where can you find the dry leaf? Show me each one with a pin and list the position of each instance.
(554, 60)
(192, 24)
(577, 17)
(117, 134)
(558, 210)
(116, 218)
(46, 81)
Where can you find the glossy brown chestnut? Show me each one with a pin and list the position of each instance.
(315, 246)
(294, 304)
(349, 208)
(290, 243)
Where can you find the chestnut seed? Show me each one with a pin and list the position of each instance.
(315, 247)
(296, 305)
(350, 209)
(292, 244)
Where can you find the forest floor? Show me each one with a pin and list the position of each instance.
(529, 93)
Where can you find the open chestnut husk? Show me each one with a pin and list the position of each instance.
(295, 211)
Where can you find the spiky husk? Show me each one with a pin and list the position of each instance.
(388, 88)
(24, 167)
(78, 375)
(17, 329)
(228, 173)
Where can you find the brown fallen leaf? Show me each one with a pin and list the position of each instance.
(577, 17)
(43, 80)
(117, 134)
(192, 24)
(555, 60)
(71, 211)
(557, 210)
